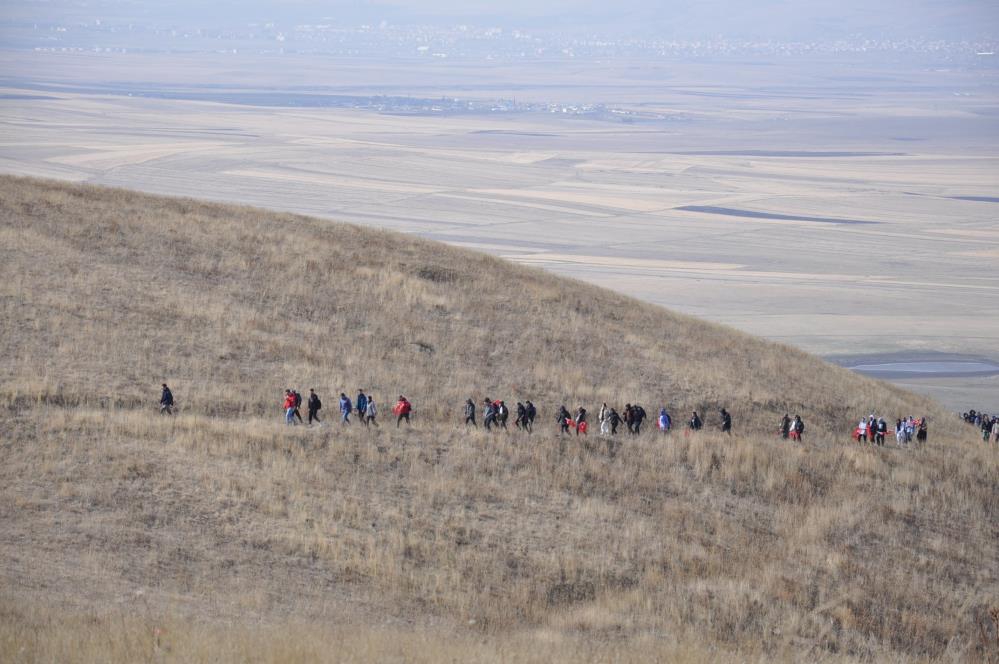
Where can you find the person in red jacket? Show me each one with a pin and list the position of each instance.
(289, 407)
(402, 410)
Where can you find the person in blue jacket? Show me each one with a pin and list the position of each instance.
(665, 423)
(345, 408)
(362, 405)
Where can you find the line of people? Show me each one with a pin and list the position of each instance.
(365, 407)
(873, 429)
(791, 429)
(495, 414)
(988, 425)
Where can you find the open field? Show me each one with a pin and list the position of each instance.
(843, 209)
(222, 534)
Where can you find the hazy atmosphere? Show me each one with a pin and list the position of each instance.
(237, 198)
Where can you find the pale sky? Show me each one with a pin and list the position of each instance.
(777, 19)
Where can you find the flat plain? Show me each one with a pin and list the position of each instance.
(847, 209)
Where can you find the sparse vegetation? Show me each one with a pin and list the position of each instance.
(221, 533)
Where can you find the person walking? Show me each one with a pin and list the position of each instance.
(638, 416)
(362, 406)
(695, 423)
(488, 414)
(345, 408)
(615, 421)
(470, 413)
(298, 406)
(531, 413)
(784, 428)
(370, 412)
(314, 406)
(563, 420)
(602, 417)
(726, 425)
(882, 430)
(502, 413)
(289, 407)
(665, 423)
(862, 431)
(166, 401)
(797, 428)
(521, 421)
(403, 409)
(899, 433)
(581, 425)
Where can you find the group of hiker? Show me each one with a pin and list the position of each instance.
(495, 414)
(364, 406)
(873, 429)
(988, 425)
(791, 429)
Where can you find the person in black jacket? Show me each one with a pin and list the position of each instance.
(502, 413)
(521, 421)
(488, 413)
(563, 420)
(615, 420)
(298, 404)
(581, 420)
(695, 422)
(314, 405)
(470, 413)
(726, 426)
(531, 413)
(637, 417)
(166, 401)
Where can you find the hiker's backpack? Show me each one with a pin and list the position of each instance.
(319, 404)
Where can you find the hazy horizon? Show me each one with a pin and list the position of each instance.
(765, 19)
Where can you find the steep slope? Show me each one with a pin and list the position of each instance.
(225, 528)
(109, 293)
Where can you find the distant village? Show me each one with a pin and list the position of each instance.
(433, 41)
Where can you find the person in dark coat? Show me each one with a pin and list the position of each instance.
(488, 414)
(502, 413)
(726, 425)
(581, 422)
(637, 417)
(314, 404)
(563, 419)
(695, 423)
(521, 421)
(531, 413)
(470, 413)
(166, 401)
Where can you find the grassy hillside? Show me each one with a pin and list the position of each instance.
(221, 532)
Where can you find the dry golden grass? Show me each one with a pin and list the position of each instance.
(238, 538)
